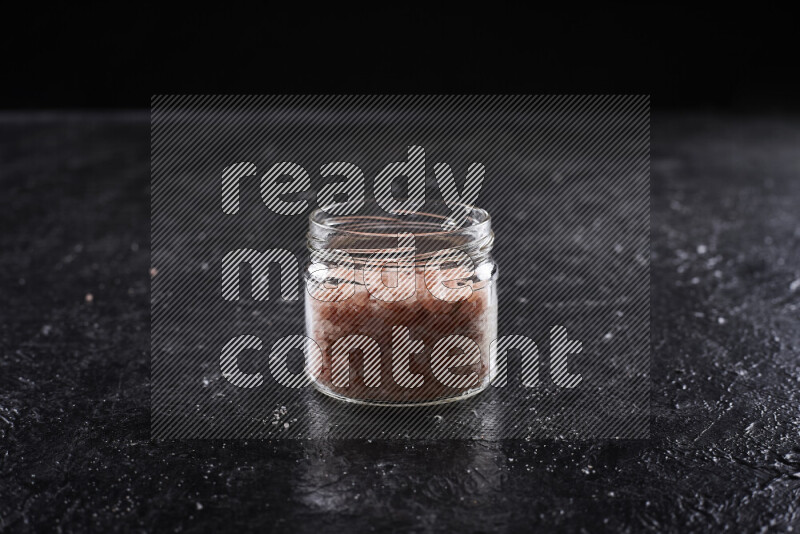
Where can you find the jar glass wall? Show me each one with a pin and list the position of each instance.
(402, 307)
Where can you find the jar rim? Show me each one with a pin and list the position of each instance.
(430, 221)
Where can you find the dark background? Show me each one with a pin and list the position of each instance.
(110, 56)
(75, 447)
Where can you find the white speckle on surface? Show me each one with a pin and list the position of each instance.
(721, 320)
(794, 286)
(199, 505)
(89, 298)
(702, 249)
(286, 425)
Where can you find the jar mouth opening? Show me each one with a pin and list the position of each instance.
(371, 230)
(434, 220)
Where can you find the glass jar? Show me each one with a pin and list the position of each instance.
(402, 307)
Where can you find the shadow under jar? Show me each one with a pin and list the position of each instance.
(402, 307)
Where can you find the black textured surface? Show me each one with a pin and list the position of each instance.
(75, 453)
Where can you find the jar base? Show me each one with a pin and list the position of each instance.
(411, 404)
